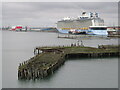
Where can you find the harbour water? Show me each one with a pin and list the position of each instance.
(75, 73)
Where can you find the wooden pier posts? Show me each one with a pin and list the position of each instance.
(35, 68)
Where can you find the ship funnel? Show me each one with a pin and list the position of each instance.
(96, 14)
(91, 14)
(83, 13)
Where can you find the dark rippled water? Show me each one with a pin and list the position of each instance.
(75, 73)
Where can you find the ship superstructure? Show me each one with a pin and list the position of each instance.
(81, 23)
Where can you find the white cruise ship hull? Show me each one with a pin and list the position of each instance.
(97, 32)
(89, 32)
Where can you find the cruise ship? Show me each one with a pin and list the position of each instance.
(87, 23)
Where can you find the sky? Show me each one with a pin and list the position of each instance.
(46, 14)
(35, 13)
(38, 14)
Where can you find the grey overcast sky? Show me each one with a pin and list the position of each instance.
(41, 14)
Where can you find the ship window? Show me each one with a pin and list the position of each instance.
(98, 28)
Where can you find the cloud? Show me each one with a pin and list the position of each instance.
(48, 13)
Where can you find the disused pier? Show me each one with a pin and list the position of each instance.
(48, 59)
